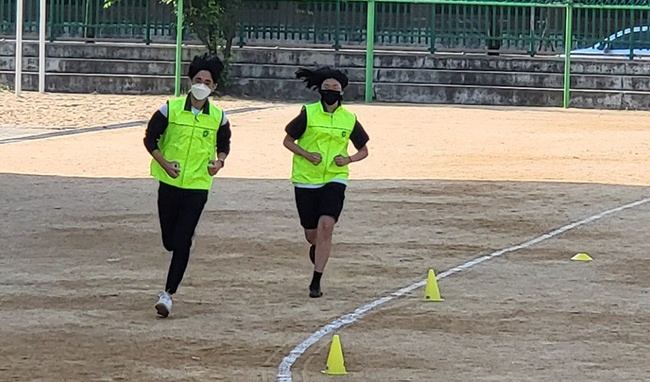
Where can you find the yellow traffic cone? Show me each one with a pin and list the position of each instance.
(431, 292)
(581, 257)
(335, 362)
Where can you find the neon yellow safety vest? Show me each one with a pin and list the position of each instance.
(191, 141)
(327, 134)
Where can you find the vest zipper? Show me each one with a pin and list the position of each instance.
(329, 145)
(187, 154)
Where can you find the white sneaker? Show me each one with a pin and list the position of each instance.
(164, 305)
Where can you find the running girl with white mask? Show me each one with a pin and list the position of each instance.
(189, 140)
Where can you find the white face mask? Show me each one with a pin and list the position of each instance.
(201, 91)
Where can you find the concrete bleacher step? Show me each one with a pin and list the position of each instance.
(282, 89)
(413, 76)
(419, 60)
(459, 77)
(103, 51)
(411, 60)
(91, 66)
(95, 83)
(269, 73)
(381, 75)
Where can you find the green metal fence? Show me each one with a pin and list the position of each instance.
(532, 27)
(143, 20)
(434, 27)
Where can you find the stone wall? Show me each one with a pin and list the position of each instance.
(413, 77)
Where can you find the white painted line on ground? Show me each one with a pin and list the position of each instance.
(84, 130)
(284, 370)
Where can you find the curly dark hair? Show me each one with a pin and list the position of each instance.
(315, 78)
(211, 63)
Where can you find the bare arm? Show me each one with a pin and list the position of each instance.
(359, 138)
(340, 160)
(360, 155)
(291, 145)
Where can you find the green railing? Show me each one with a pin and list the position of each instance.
(426, 26)
(517, 26)
(143, 20)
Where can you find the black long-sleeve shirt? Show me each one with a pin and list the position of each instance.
(158, 124)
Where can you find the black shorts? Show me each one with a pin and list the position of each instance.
(313, 203)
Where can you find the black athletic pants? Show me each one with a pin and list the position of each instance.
(179, 211)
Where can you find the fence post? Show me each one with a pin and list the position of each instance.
(179, 47)
(337, 39)
(90, 20)
(147, 22)
(432, 45)
(240, 26)
(370, 48)
(52, 19)
(531, 35)
(568, 42)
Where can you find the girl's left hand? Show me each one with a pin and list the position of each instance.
(340, 160)
(214, 167)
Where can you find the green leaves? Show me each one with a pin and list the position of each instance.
(109, 3)
(213, 22)
(209, 20)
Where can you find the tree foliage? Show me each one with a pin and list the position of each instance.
(213, 22)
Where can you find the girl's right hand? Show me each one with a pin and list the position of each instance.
(172, 168)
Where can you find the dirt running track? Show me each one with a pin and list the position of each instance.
(81, 260)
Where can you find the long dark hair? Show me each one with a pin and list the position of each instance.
(315, 78)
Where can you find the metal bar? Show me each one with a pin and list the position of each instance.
(531, 34)
(568, 36)
(608, 6)
(18, 63)
(179, 47)
(444, 25)
(478, 2)
(509, 27)
(456, 28)
(240, 28)
(52, 19)
(557, 4)
(432, 45)
(631, 23)
(337, 38)
(147, 22)
(558, 23)
(42, 21)
(314, 23)
(370, 48)
(593, 21)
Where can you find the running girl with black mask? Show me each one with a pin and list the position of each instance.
(319, 137)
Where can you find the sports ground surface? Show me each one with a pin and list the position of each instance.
(82, 260)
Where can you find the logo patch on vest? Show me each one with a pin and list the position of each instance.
(205, 133)
(343, 133)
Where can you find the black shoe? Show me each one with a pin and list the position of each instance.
(312, 254)
(315, 292)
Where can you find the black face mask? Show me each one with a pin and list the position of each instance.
(330, 97)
